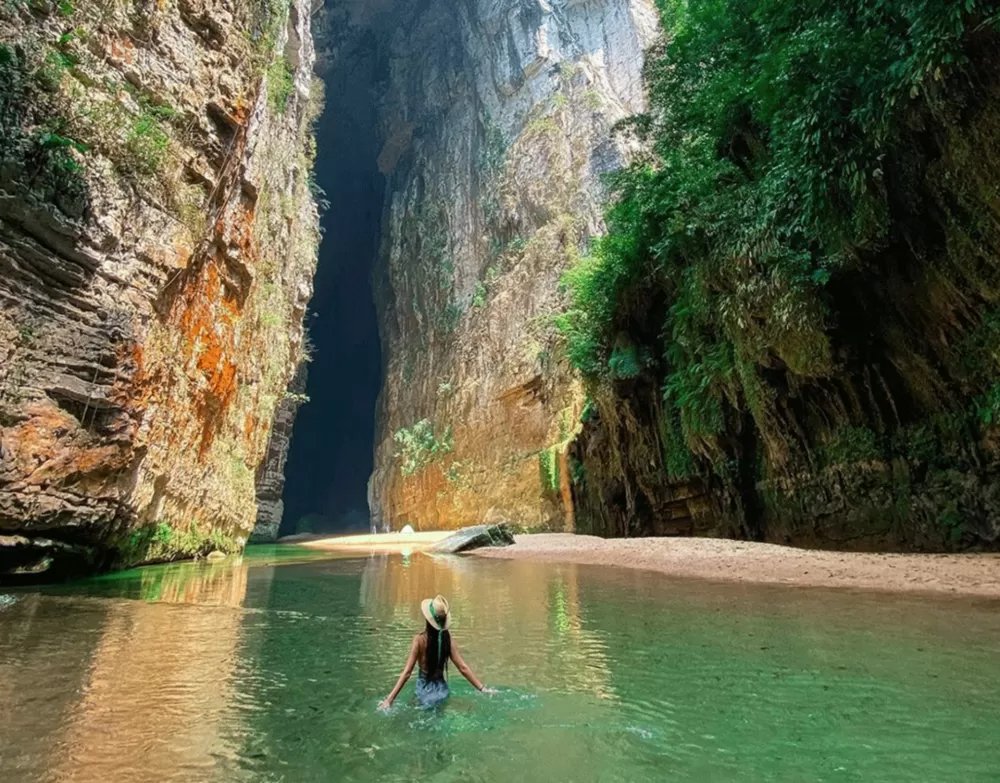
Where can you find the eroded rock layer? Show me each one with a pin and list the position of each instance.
(157, 242)
(497, 123)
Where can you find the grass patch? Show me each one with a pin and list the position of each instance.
(420, 445)
(280, 84)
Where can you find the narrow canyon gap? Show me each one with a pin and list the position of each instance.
(330, 458)
(492, 129)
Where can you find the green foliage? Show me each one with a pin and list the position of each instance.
(427, 242)
(493, 152)
(448, 317)
(568, 69)
(517, 245)
(542, 126)
(55, 64)
(548, 469)
(73, 117)
(147, 145)
(59, 147)
(492, 158)
(459, 474)
(435, 247)
(272, 319)
(262, 22)
(148, 104)
(419, 446)
(769, 127)
(161, 541)
(624, 362)
(479, 295)
(51, 155)
(280, 84)
(951, 521)
(916, 442)
(988, 406)
(977, 351)
(677, 458)
(852, 444)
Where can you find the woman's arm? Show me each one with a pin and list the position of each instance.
(404, 676)
(463, 667)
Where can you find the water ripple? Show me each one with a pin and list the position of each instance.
(272, 673)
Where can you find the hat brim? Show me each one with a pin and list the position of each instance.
(425, 609)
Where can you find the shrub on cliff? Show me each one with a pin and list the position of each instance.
(809, 242)
(769, 127)
(419, 446)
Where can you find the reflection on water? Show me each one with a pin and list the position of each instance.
(269, 668)
(155, 696)
(148, 690)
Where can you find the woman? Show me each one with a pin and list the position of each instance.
(432, 648)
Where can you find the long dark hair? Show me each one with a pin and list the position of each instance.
(438, 651)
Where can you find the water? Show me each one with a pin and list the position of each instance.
(271, 670)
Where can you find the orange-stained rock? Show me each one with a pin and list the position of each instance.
(151, 308)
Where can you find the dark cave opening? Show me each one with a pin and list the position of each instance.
(331, 453)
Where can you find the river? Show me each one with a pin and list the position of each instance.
(270, 668)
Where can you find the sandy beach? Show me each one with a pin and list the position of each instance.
(388, 543)
(743, 561)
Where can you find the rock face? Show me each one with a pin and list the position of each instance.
(157, 242)
(271, 473)
(497, 124)
(475, 537)
(862, 413)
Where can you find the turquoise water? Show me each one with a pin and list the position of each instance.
(270, 669)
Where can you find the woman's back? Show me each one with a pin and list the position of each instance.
(430, 651)
(433, 651)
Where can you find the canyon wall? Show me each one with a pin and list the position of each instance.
(157, 241)
(869, 422)
(497, 123)
(792, 331)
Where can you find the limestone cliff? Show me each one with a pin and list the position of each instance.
(818, 369)
(271, 472)
(497, 122)
(157, 241)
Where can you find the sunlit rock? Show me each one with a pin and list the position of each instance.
(156, 255)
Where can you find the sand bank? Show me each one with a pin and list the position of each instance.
(743, 561)
(378, 542)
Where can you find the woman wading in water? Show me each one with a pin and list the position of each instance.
(432, 648)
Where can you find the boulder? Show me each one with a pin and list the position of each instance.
(474, 537)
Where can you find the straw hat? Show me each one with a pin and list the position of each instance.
(435, 610)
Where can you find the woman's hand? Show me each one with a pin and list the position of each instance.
(385, 705)
(488, 690)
